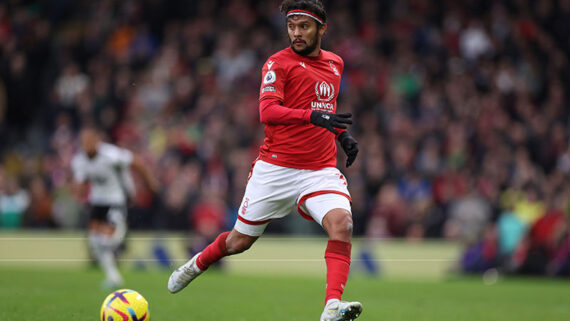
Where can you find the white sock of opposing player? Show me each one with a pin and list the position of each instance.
(103, 249)
(109, 264)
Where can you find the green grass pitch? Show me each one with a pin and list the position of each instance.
(61, 294)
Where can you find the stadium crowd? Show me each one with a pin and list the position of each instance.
(461, 111)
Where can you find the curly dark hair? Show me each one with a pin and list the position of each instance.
(313, 6)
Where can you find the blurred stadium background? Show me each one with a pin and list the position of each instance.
(461, 110)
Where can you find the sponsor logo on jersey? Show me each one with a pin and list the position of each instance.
(334, 68)
(324, 107)
(270, 64)
(325, 94)
(269, 78)
(302, 64)
(267, 89)
(324, 91)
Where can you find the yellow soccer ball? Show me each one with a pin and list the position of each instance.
(125, 305)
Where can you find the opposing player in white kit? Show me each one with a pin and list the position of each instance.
(296, 167)
(104, 170)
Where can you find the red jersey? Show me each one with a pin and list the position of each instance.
(300, 84)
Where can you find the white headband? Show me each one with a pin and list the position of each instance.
(304, 13)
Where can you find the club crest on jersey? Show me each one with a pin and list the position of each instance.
(324, 91)
(334, 68)
(269, 78)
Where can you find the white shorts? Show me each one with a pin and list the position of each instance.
(273, 191)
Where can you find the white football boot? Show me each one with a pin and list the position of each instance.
(183, 275)
(336, 310)
(109, 284)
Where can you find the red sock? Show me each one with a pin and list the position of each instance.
(337, 257)
(213, 252)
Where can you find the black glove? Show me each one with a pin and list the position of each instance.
(350, 147)
(330, 121)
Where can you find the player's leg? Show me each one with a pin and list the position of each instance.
(264, 199)
(92, 238)
(107, 231)
(226, 244)
(113, 231)
(338, 224)
(107, 259)
(332, 211)
(238, 240)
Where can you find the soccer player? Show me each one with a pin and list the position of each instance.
(103, 171)
(296, 166)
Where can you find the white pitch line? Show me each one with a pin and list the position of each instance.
(85, 239)
(353, 260)
(173, 238)
(232, 260)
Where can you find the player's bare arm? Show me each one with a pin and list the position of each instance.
(139, 166)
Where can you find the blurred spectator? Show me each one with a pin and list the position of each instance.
(543, 249)
(208, 219)
(14, 201)
(40, 210)
(468, 217)
(511, 231)
(481, 255)
(66, 210)
(529, 208)
(390, 215)
(70, 84)
(475, 42)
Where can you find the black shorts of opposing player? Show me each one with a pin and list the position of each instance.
(100, 213)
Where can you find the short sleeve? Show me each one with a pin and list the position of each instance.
(125, 157)
(119, 156)
(272, 81)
